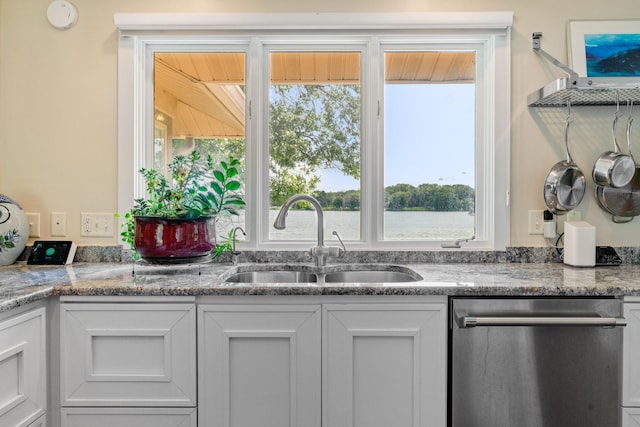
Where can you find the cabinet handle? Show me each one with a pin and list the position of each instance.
(471, 321)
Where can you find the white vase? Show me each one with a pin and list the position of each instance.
(14, 230)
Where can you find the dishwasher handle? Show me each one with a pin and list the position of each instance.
(472, 321)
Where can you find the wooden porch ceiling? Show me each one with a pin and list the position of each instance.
(203, 94)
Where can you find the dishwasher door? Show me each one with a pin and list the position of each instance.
(535, 362)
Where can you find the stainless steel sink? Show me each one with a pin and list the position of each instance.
(272, 277)
(333, 274)
(371, 276)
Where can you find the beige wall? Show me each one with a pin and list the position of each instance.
(58, 127)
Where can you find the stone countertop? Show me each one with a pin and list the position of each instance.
(21, 284)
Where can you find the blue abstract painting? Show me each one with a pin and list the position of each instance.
(612, 55)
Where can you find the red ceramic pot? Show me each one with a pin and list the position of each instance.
(172, 240)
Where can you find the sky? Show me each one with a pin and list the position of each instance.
(429, 137)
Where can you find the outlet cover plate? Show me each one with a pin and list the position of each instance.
(97, 224)
(536, 222)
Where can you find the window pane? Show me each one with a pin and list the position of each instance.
(199, 103)
(314, 141)
(429, 140)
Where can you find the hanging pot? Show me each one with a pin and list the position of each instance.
(622, 203)
(614, 168)
(564, 186)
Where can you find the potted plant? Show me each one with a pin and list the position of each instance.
(176, 221)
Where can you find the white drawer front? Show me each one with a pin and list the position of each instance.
(22, 369)
(129, 417)
(128, 355)
(40, 422)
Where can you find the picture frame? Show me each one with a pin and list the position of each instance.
(604, 48)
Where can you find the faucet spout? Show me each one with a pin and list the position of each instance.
(280, 222)
(319, 252)
(234, 253)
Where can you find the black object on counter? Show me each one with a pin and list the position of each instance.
(606, 255)
(57, 252)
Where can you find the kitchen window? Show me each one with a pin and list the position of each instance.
(388, 120)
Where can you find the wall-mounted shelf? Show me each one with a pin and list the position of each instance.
(581, 90)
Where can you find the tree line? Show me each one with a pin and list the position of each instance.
(400, 197)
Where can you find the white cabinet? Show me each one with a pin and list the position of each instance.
(630, 365)
(630, 417)
(356, 364)
(40, 422)
(23, 368)
(384, 365)
(128, 354)
(259, 365)
(630, 355)
(129, 417)
(268, 362)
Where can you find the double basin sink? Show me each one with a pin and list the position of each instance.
(360, 273)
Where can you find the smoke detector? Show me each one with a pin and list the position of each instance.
(62, 14)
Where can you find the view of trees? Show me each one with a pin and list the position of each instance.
(400, 197)
(311, 127)
(430, 197)
(315, 127)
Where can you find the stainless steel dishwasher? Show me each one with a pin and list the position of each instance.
(535, 362)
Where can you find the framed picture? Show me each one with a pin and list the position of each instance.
(604, 48)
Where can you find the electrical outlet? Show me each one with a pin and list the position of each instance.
(97, 224)
(536, 222)
(58, 224)
(34, 224)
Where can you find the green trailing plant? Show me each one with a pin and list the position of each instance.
(194, 188)
(226, 245)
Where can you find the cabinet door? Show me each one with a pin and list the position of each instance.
(630, 417)
(22, 369)
(128, 354)
(384, 365)
(259, 365)
(631, 356)
(129, 417)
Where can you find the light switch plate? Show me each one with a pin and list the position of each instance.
(58, 224)
(34, 224)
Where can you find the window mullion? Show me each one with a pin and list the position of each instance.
(372, 150)
(253, 151)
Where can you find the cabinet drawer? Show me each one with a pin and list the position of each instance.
(125, 354)
(129, 417)
(22, 369)
(40, 422)
(630, 417)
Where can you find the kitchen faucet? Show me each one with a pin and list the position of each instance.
(319, 252)
(234, 253)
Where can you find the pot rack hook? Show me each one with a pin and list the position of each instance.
(567, 123)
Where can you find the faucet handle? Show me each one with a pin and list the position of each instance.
(342, 251)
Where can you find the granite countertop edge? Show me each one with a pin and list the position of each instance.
(22, 284)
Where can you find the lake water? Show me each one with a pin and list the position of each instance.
(407, 225)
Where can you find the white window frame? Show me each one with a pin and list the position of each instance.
(140, 35)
